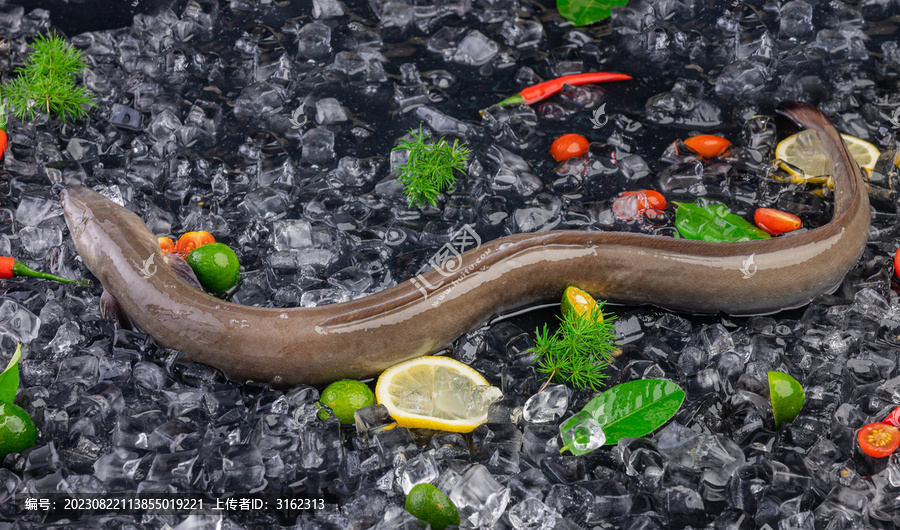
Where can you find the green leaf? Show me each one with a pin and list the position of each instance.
(714, 223)
(787, 397)
(635, 408)
(9, 379)
(584, 12)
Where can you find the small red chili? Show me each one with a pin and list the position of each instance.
(897, 262)
(708, 145)
(2, 142)
(775, 222)
(10, 267)
(546, 89)
(568, 146)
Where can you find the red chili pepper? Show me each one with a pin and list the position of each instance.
(775, 222)
(708, 145)
(893, 418)
(2, 142)
(546, 89)
(897, 262)
(10, 267)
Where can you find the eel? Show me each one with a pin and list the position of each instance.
(361, 338)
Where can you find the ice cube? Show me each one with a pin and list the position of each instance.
(18, 322)
(314, 41)
(33, 209)
(480, 499)
(422, 468)
(326, 9)
(329, 111)
(318, 147)
(581, 433)
(548, 405)
(38, 241)
(532, 514)
(475, 49)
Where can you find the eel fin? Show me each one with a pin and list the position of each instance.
(183, 270)
(112, 311)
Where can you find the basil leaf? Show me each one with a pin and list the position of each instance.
(714, 223)
(9, 379)
(584, 12)
(636, 408)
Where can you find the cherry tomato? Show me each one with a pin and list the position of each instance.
(647, 199)
(775, 222)
(878, 439)
(708, 145)
(633, 204)
(568, 146)
(893, 418)
(166, 244)
(192, 240)
(2, 142)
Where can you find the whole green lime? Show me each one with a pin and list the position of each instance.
(216, 266)
(431, 505)
(345, 397)
(17, 430)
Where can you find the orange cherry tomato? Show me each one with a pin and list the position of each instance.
(192, 240)
(878, 439)
(648, 199)
(775, 222)
(708, 145)
(568, 146)
(166, 244)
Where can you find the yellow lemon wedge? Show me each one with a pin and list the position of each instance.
(804, 151)
(436, 393)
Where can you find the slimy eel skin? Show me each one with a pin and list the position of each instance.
(363, 337)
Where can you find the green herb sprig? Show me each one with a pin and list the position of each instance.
(430, 167)
(584, 12)
(47, 81)
(579, 350)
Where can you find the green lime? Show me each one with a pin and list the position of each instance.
(430, 504)
(216, 266)
(787, 397)
(17, 430)
(583, 304)
(345, 397)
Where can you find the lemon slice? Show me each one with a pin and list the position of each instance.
(436, 393)
(804, 151)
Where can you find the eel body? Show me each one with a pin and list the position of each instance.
(363, 337)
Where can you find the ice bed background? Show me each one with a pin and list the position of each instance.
(270, 125)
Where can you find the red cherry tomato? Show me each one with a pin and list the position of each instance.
(647, 199)
(2, 142)
(878, 439)
(568, 146)
(166, 244)
(776, 222)
(708, 145)
(893, 418)
(192, 240)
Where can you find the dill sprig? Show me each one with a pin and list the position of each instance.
(47, 81)
(579, 350)
(429, 169)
